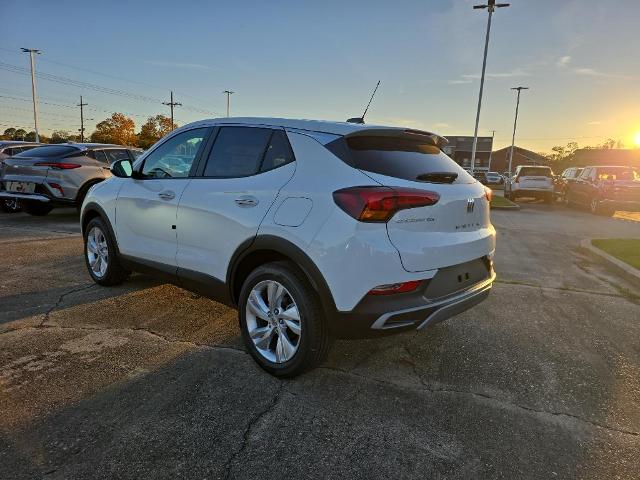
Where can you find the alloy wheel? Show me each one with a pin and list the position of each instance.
(273, 321)
(97, 252)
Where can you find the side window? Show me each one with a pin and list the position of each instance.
(115, 155)
(237, 152)
(174, 157)
(278, 152)
(100, 156)
(585, 174)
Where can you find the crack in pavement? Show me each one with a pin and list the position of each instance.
(61, 299)
(624, 294)
(498, 401)
(228, 465)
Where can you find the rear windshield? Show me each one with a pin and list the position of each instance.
(48, 151)
(536, 172)
(398, 157)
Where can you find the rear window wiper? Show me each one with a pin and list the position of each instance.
(437, 177)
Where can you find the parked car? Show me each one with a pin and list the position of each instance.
(9, 148)
(312, 229)
(58, 175)
(494, 178)
(535, 181)
(606, 189)
(480, 176)
(562, 181)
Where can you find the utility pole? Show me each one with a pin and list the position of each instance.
(229, 93)
(172, 104)
(81, 105)
(515, 121)
(490, 6)
(493, 135)
(32, 52)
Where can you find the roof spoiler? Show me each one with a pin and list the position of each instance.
(408, 133)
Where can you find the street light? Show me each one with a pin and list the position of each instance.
(490, 6)
(32, 52)
(515, 121)
(229, 93)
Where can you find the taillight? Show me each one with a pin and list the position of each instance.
(58, 165)
(58, 187)
(488, 193)
(379, 204)
(392, 288)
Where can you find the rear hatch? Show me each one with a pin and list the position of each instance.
(32, 166)
(620, 183)
(536, 178)
(456, 229)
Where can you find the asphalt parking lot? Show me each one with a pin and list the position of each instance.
(149, 381)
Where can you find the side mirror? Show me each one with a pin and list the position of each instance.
(122, 168)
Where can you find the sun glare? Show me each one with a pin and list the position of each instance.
(636, 139)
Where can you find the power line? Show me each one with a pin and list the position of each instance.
(172, 104)
(82, 105)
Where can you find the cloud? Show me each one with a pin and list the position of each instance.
(197, 66)
(469, 77)
(590, 72)
(595, 122)
(563, 61)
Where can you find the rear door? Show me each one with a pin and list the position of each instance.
(147, 206)
(456, 229)
(223, 206)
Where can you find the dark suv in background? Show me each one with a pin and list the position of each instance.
(9, 148)
(606, 189)
(58, 175)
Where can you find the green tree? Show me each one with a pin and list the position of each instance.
(118, 129)
(154, 129)
(19, 134)
(9, 133)
(60, 136)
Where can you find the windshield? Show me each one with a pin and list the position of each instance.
(618, 173)
(47, 151)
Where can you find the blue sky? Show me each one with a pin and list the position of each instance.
(322, 59)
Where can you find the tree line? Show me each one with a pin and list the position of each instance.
(117, 129)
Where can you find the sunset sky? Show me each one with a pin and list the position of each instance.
(322, 59)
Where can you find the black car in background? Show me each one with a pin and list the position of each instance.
(606, 189)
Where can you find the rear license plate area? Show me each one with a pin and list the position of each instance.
(21, 187)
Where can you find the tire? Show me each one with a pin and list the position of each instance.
(309, 335)
(37, 209)
(548, 199)
(11, 206)
(101, 255)
(596, 208)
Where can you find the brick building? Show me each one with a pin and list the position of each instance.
(459, 148)
(521, 156)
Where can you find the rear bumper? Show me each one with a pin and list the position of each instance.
(35, 197)
(626, 205)
(382, 315)
(534, 192)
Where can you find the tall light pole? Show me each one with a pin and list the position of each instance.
(515, 121)
(82, 105)
(490, 6)
(32, 52)
(229, 93)
(493, 136)
(172, 104)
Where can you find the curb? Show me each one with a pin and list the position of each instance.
(506, 207)
(630, 273)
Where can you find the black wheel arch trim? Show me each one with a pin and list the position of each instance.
(287, 249)
(94, 207)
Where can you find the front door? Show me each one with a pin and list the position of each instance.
(224, 205)
(147, 205)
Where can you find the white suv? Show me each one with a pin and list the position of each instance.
(535, 181)
(311, 229)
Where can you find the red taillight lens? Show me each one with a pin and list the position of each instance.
(57, 186)
(488, 193)
(395, 288)
(58, 165)
(379, 204)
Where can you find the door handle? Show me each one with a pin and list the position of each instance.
(167, 195)
(246, 201)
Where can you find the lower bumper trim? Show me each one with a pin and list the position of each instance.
(25, 196)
